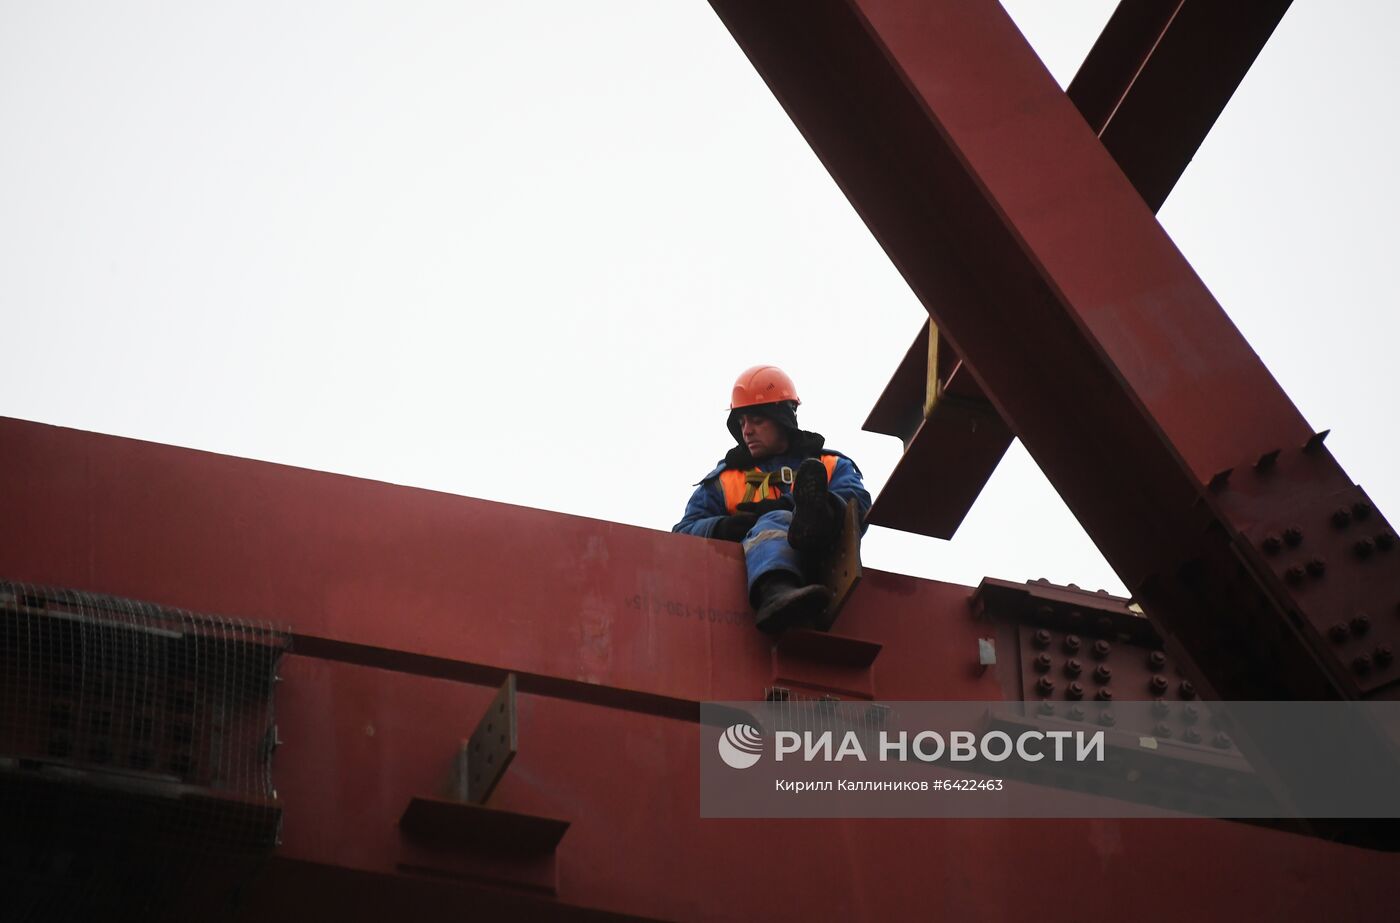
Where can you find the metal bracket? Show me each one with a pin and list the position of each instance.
(841, 571)
(484, 756)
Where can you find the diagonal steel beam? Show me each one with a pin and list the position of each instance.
(1160, 75)
(1093, 339)
(1151, 88)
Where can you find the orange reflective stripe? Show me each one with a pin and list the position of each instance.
(733, 484)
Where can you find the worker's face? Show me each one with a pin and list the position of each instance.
(763, 437)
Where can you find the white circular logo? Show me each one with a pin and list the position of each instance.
(740, 746)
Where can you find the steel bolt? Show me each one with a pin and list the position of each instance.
(1160, 708)
(1293, 536)
(1338, 632)
(1106, 718)
(1041, 638)
(1045, 685)
(1384, 655)
(1272, 544)
(1103, 674)
(1162, 729)
(1191, 736)
(1075, 713)
(1361, 510)
(1362, 664)
(1156, 660)
(1104, 625)
(1221, 740)
(1317, 567)
(1363, 548)
(1074, 691)
(1187, 690)
(1360, 625)
(1341, 517)
(1102, 649)
(1294, 575)
(1191, 714)
(1075, 618)
(1047, 708)
(1072, 643)
(1157, 684)
(1104, 695)
(1073, 667)
(1042, 663)
(1385, 541)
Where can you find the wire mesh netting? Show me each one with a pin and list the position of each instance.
(813, 715)
(136, 748)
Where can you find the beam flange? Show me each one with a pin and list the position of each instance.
(1151, 88)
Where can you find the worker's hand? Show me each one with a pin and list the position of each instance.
(759, 507)
(734, 528)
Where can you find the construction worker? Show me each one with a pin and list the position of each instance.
(783, 494)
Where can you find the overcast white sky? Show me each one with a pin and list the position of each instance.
(520, 251)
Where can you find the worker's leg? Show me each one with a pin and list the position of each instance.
(766, 548)
(778, 591)
(818, 514)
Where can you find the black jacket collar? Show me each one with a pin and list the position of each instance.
(803, 445)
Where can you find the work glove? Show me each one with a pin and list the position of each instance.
(759, 507)
(734, 528)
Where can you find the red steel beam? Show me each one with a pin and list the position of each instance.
(353, 564)
(423, 582)
(1092, 337)
(950, 452)
(1151, 88)
(1159, 76)
(359, 743)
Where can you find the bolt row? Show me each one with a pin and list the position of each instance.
(1101, 649)
(1292, 537)
(1102, 625)
(1045, 686)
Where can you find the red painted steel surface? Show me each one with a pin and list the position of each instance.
(1151, 88)
(627, 784)
(949, 454)
(1073, 310)
(948, 462)
(360, 564)
(1159, 76)
(423, 581)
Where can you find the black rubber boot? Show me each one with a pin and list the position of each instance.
(816, 515)
(783, 602)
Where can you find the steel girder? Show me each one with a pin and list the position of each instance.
(1151, 89)
(1094, 340)
(405, 606)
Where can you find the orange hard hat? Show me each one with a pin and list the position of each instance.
(762, 384)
